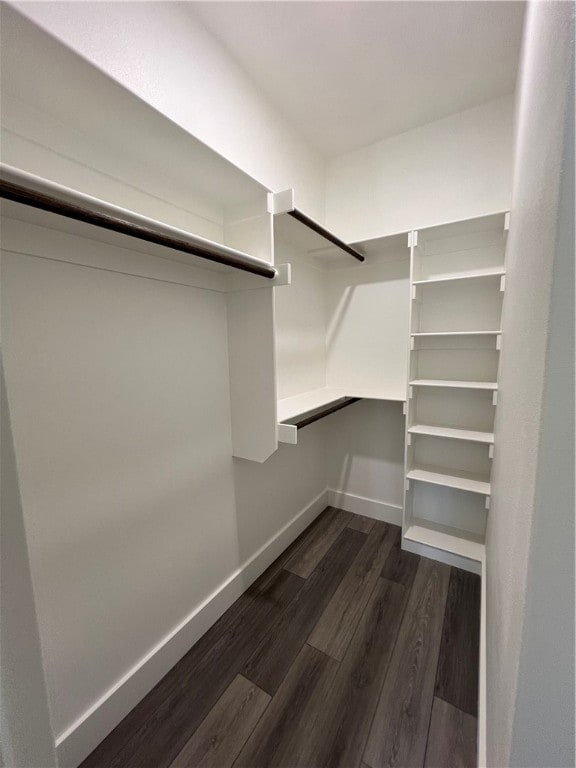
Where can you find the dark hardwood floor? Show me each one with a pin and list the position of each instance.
(346, 652)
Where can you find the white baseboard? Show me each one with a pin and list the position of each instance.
(77, 741)
(359, 505)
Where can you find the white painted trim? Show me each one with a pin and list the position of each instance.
(359, 505)
(482, 675)
(83, 735)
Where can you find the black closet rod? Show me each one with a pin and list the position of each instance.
(319, 229)
(28, 189)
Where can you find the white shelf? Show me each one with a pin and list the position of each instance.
(489, 385)
(454, 434)
(448, 539)
(467, 275)
(291, 407)
(463, 481)
(456, 333)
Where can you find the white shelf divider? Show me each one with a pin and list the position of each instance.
(463, 481)
(454, 434)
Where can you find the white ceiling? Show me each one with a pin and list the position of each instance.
(346, 74)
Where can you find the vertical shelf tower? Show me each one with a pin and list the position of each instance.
(457, 281)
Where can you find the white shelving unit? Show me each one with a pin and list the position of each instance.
(339, 324)
(457, 288)
(162, 179)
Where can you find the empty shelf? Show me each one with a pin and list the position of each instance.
(454, 434)
(466, 275)
(300, 410)
(463, 481)
(490, 385)
(291, 407)
(446, 538)
(314, 414)
(456, 333)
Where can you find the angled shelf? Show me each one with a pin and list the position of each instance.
(294, 226)
(454, 434)
(488, 385)
(446, 538)
(470, 274)
(463, 481)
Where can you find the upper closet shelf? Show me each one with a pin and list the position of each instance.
(30, 190)
(299, 411)
(296, 227)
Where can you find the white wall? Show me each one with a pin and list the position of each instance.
(530, 535)
(365, 452)
(456, 168)
(163, 54)
(22, 682)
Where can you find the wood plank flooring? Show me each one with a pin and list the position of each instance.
(346, 652)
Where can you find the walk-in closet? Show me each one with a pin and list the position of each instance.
(287, 334)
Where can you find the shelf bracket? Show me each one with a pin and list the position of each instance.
(494, 398)
(499, 342)
(410, 393)
(281, 202)
(487, 502)
(287, 433)
(502, 283)
(236, 281)
(491, 451)
(404, 408)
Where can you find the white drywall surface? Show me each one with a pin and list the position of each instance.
(163, 55)
(530, 539)
(22, 682)
(365, 451)
(135, 510)
(455, 168)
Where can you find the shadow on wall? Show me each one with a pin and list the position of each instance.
(22, 690)
(270, 495)
(365, 451)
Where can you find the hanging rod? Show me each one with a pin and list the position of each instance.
(28, 189)
(283, 203)
(319, 229)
